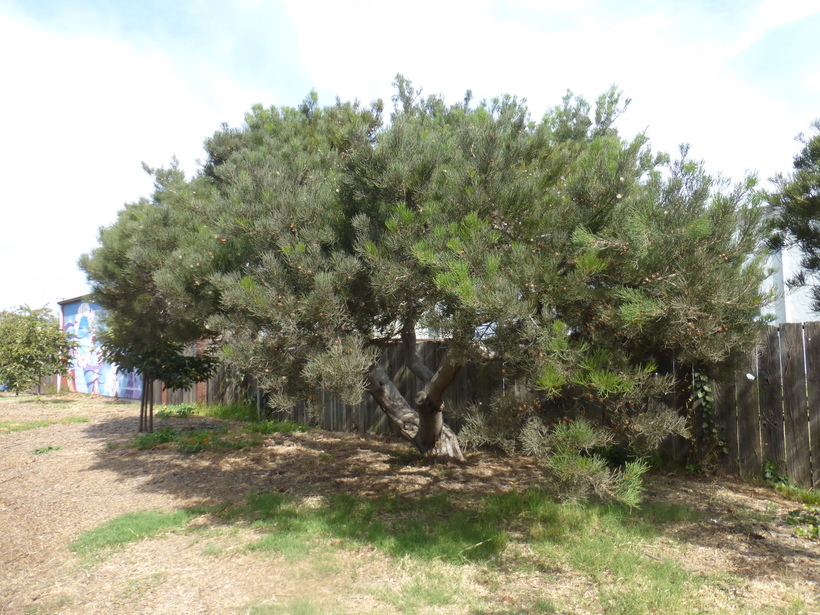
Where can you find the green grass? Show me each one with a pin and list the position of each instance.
(225, 412)
(128, 528)
(434, 538)
(229, 412)
(428, 588)
(606, 544)
(195, 440)
(46, 449)
(435, 528)
(182, 411)
(426, 528)
(45, 607)
(12, 426)
(221, 437)
(798, 494)
(273, 426)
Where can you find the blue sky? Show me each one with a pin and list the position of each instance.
(90, 89)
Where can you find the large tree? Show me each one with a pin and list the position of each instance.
(796, 211)
(317, 237)
(32, 345)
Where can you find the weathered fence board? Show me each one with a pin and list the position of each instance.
(771, 402)
(813, 391)
(795, 412)
(726, 415)
(750, 451)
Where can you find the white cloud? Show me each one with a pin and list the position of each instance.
(80, 116)
(81, 113)
(681, 89)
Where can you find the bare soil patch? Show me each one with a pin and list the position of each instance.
(89, 476)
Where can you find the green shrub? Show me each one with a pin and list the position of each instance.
(153, 438)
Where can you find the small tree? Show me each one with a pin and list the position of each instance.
(165, 362)
(796, 210)
(32, 345)
(143, 330)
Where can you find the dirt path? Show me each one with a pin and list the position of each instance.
(88, 477)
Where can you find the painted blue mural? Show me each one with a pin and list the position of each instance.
(88, 373)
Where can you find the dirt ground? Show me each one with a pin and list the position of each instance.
(48, 500)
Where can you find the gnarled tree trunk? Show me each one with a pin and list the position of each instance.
(423, 426)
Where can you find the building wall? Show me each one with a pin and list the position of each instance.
(791, 305)
(88, 372)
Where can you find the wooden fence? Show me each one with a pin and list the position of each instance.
(770, 410)
(471, 384)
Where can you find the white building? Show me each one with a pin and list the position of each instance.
(791, 305)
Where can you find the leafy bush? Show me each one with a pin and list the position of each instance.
(183, 411)
(153, 438)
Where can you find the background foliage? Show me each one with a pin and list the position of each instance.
(32, 345)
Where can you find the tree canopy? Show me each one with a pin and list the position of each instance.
(32, 345)
(315, 237)
(796, 211)
(143, 330)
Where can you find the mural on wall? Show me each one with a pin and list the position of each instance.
(88, 373)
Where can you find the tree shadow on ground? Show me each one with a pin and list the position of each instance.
(302, 464)
(335, 466)
(745, 521)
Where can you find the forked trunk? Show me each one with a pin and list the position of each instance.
(424, 428)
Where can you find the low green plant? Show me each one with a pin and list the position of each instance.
(806, 522)
(771, 474)
(196, 441)
(151, 439)
(183, 411)
(274, 426)
(407, 457)
(46, 449)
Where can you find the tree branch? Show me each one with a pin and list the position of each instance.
(392, 402)
(412, 360)
(433, 393)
